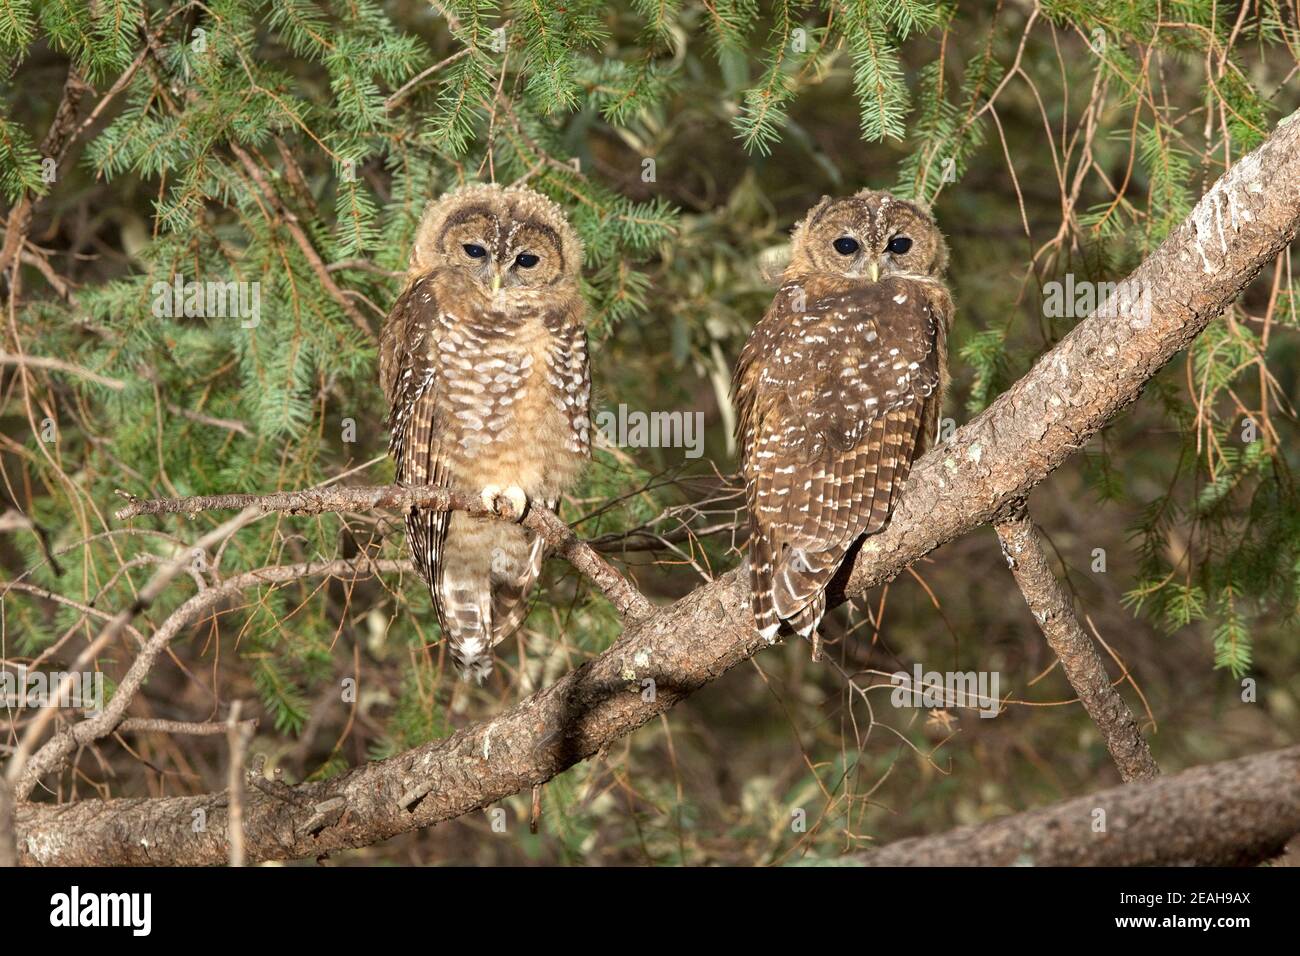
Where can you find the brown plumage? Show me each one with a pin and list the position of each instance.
(838, 390)
(483, 360)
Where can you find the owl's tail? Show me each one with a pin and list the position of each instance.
(481, 590)
(761, 586)
(799, 592)
(512, 583)
(461, 595)
(806, 620)
(791, 589)
(467, 610)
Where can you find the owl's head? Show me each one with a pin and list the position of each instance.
(866, 236)
(505, 238)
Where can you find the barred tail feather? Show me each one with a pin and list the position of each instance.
(469, 626)
(462, 595)
(800, 579)
(510, 593)
(807, 619)
(760, 586)
(426, 532)
(463, 615)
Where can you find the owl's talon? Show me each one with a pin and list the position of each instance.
(518, 500)
(491, 497)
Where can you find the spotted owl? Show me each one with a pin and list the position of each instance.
(483, 360)
(837, 391)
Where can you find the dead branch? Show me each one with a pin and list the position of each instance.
(23, 774)
(1234, 813)
(237, 736)
(1054, 612)
(150, 725)
(291, 222)
(55, 144)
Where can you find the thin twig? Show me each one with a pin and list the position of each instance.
(237, 734)
(630, 602)
(152, 725)
(290, 220)
(414, 81)
(58, 365)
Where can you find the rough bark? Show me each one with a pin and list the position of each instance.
(1054, 612)
(1233, 813)
(1240, 225)
(8, 835)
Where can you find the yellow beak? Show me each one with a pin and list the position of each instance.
(874, 269)
(496, 281)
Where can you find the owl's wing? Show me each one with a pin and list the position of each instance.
(568, 372)
(410, 374)
(831, 404)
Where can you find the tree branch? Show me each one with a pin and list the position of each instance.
(151, 725)
(558, 536)
(290, 220)
(55, 144)
(23, 774)
(1241, 224)
(237, 737)
(1234, 813)
(8, 833)
(1054, 612)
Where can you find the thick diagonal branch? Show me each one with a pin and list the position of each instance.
(1250, 215)
(1054, 612)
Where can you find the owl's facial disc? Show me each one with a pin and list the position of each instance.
(469, 243)
(871, 235)
(900, 251)
(501, 253)
(533, 256)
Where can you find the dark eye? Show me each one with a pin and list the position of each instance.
(526, 260)
(473, 251)
(845, 246)
(899, 245)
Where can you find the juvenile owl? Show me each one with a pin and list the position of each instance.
(838, 391)
(483, 360)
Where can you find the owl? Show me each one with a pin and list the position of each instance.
(483, 360)
(837, 392)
